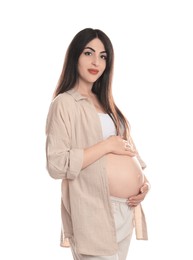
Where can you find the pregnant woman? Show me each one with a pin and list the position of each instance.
(89, 147)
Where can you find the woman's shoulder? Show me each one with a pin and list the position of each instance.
(63, 100)
(63, 97)
(62, 104)
(60, 110)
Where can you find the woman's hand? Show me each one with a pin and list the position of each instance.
(113, 144)
(133, 201)
(117, 145)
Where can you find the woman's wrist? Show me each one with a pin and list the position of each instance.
(106, 146)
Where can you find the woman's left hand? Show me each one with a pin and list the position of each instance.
(133, 201)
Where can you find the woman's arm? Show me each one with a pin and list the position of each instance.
(133, 201)
(113, 144)
(146, 185)
(62, 160)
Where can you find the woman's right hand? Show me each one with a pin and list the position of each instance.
(117, 145)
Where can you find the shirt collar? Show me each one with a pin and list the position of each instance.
(75, 94)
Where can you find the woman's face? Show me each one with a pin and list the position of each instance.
(92, 61)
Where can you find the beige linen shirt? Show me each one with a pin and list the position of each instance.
(73, 125)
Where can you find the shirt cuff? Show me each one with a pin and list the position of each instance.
(75, 163)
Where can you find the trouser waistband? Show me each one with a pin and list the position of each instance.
(117, 199)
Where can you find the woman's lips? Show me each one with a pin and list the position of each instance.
(93, 71)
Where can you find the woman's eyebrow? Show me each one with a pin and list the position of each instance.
(93, 49)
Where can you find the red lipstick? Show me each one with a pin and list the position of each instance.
(93, 71)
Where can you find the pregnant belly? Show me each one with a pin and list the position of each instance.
(125, 175)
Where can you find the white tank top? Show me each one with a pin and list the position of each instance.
(108, 127)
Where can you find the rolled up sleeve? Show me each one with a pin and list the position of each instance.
(62, 160)
(62, 163)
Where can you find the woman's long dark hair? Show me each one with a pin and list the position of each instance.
(103, 86)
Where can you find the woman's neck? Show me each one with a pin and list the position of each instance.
(85, 90)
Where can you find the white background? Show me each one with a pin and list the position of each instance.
(152, 85)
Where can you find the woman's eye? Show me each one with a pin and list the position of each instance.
(87, 53)
(104, 57)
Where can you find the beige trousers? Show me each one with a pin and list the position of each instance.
(123, 215)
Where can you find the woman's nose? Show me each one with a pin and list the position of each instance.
(95, 61)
